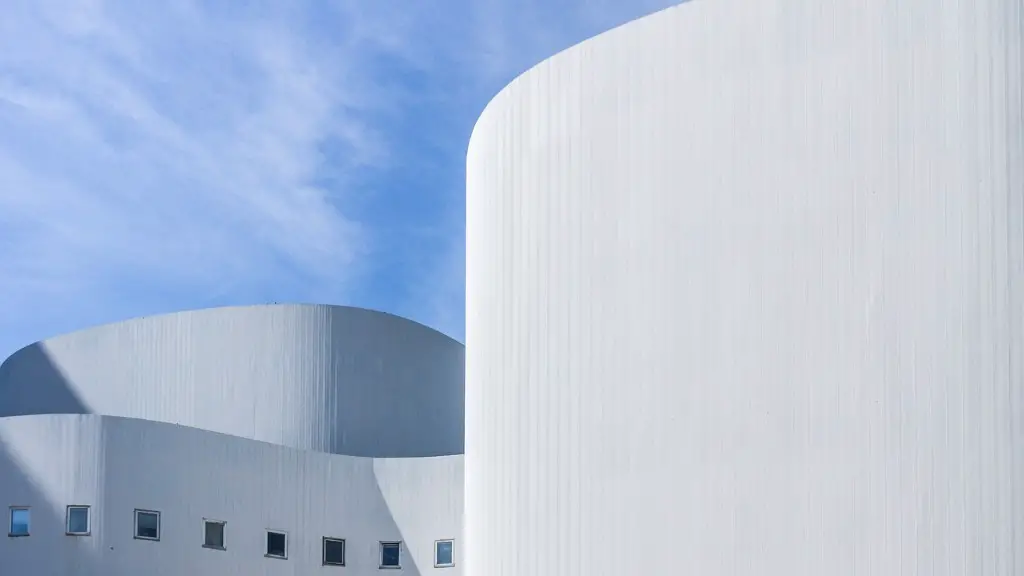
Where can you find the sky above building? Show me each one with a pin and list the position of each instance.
(160, 156)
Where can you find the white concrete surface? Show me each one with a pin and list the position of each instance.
(326, 378)
(319, 421)
(744, 296)
(116, 465)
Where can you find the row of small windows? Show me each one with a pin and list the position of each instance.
(147, 527)
(76, 522)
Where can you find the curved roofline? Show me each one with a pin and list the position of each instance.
(560, 53)
(336, 379)
(172, 425)
(212, 309)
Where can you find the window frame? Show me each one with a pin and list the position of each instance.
(380, 554)
(223, 534)
(266, 544)
(88, 519)
(323, 551)
(10, 521)
(135, 523)
(444, 541)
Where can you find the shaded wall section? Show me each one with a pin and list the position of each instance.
(117, 465)
(48, 468)
(325, 378)
(31, 383)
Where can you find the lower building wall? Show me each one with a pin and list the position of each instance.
(117, 465)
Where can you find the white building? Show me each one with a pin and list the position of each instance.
(745, 296)
(250, 440)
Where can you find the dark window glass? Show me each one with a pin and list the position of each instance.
(147, 525)
(334, 552)
(20, 520)
(213, 535)
(444, 553)
(78, 520)
(390, 554)
(276, 542)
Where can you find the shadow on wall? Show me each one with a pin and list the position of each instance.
(400, 386)
(47, 551)
(371, 384)
(34, 385)
(31, 383)
(408, 560)
(158, 462)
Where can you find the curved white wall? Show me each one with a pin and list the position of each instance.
(326, 378)
(116, 465)
(744, 296)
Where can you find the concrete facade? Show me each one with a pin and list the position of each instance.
(316, 421)
(326, 378)
(745, 295)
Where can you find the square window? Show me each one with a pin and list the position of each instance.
(20, 520)
(277, 544)
(147, 525)
(390, 554)
(334, 551)
(444, 553)
(77, 521)
(213, 534)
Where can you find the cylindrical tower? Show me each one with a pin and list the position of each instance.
(745, 295)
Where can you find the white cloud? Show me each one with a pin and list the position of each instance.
(184, 153)
(166, 145)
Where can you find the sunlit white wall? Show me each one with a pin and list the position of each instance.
(321, 421)
(744, 296)
(115, 465)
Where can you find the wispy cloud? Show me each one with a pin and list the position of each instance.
(156, 156)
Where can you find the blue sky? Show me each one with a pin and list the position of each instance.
(159, 156)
